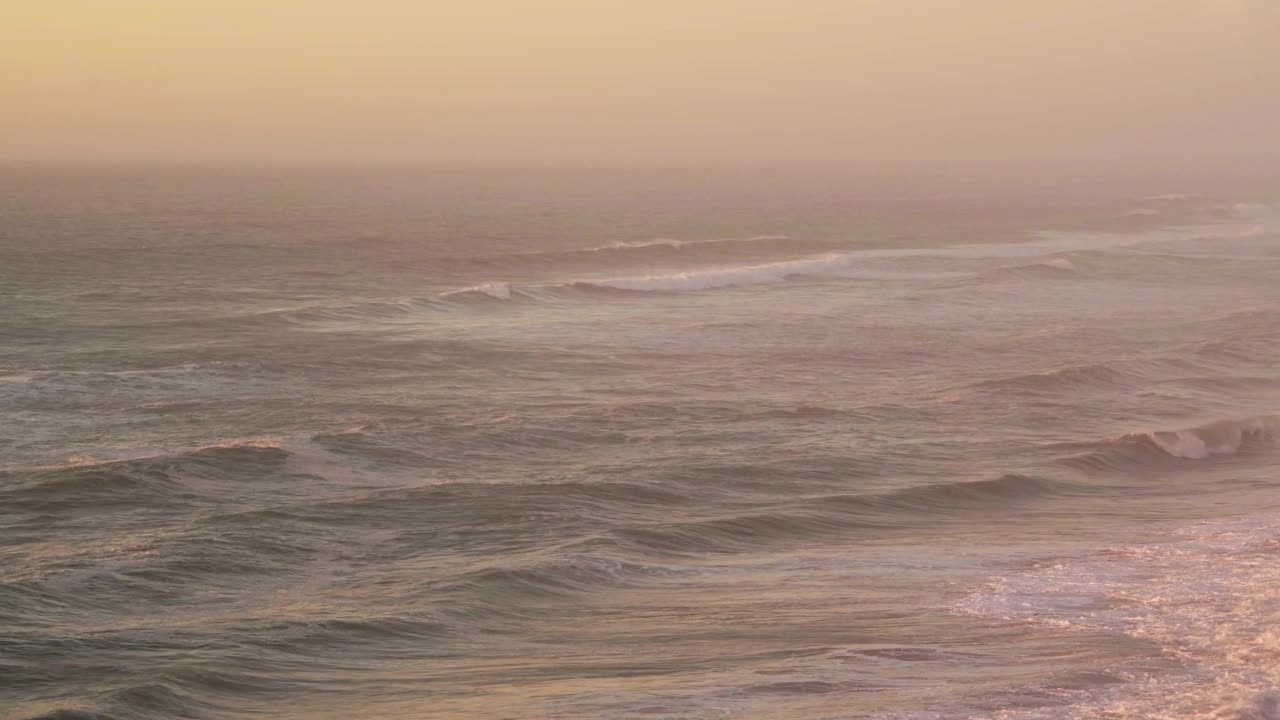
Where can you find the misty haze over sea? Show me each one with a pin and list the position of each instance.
(648, 443)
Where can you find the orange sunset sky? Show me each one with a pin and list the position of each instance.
(1069, 83)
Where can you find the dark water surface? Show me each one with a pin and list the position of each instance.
(646, 444)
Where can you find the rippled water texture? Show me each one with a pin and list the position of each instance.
(659, 444)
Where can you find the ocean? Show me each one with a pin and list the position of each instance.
(650, 443)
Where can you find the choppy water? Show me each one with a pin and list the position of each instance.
(633, 445)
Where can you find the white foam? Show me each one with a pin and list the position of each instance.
(837, 264)
(737, 276)
(1220, 438)
(1088, 240)
(672, 242)
(1250, 209)
(632, 244)
(499, 290)
(1182, 444)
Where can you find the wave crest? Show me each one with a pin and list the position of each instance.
(1224, 437)
(836, 515)
(734, 276)
(496, 290)
(674, 243)
(152, 480)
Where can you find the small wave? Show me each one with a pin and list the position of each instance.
(340, 634)
(1257, 350)
(1013, 486)
(226, 448)
(638, 244)
(705, 278)
(148, 480)
(72, 715)
(1224, 437)
(408, 310)
(1152, 264)
(94, 485)
(1221, 438)
(1100, 377)
(687, 280)
(1250, 209)
(497, 290)
(1050, 269)
(548, 577)
(735, 534)
(160, 696)
(1226, 383)
(480, 519)
(362, 445)
(660, 248)
(1046, 250)
(841, 514)
(734, 276)
(44, 389)
(674, 243)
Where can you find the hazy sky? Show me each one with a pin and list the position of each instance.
(1018, 83)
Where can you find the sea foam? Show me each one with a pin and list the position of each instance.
(734, 276)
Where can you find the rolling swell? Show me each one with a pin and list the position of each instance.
(719, 264)
(642, 251)
(564, 468)
(367, 447)
(1100, 377)
(477, 517)
(72, 715)
(714, 274)
(144, 481)
(1223, 374)
(703, 278)
(562, 539)
(731, 276)
(1128, 265)
(905, 510)
(1106, 377)
(497, 587)
(636, 547)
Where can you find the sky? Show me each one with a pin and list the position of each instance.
(1036, 85)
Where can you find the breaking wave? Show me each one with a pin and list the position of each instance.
(674, 243)
(679, 281)
(739, 276)
(1224, 437)
(661, 249)
(496, 290)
